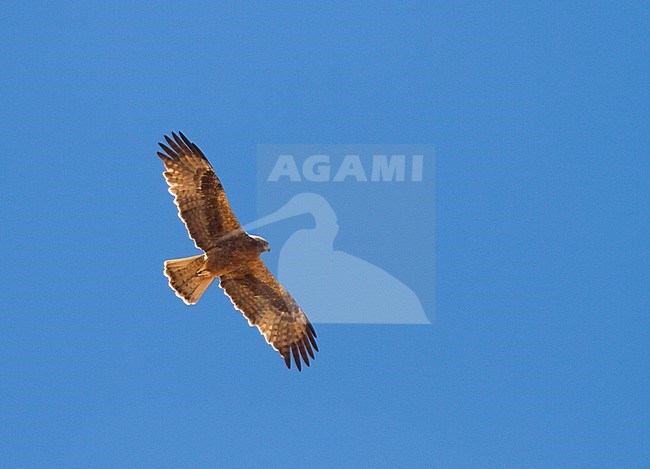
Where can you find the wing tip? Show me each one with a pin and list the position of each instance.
(296, 357)
(311, 336)
(286, 356)
(169, 153)
(181, 146)
(162, 156)
(301, 350)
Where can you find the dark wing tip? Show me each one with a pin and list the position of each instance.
(170, 153)
(179, 149)
(162, 156)
(180, 145)
(300, 351)
(307, 344)
(296, 357)
(192, 146)
(311, 335)
(287, 357)
(185, 140)
(303, 352)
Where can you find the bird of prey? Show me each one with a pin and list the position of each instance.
(230, 254)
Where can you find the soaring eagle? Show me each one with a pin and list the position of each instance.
(230, 254)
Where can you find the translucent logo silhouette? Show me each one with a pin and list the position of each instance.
(334, 286)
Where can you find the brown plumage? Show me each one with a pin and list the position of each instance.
(230, 254)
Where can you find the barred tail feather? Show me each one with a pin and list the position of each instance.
(186, 279)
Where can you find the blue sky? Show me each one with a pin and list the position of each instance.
(539, 116)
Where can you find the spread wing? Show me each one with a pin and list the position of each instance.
(266, 304)
(197, 191)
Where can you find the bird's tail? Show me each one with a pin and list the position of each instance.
(186, 279)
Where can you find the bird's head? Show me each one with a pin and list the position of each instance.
(261, 243)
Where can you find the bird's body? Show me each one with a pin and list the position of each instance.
(230, 254)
